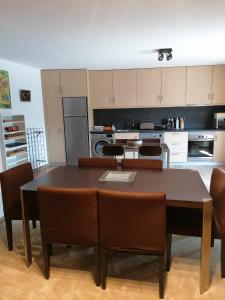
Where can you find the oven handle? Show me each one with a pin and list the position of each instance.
(201, 140)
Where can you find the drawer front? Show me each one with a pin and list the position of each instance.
(178, 147)
(175, 137)
(178, 156)
(126, 135)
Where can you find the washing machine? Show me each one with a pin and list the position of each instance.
(98, 140)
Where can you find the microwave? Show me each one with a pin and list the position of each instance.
(219, 120)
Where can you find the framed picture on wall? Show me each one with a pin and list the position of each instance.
(25, 95)
(5, 98)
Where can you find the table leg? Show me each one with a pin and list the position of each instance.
(205, 246)
(168, 158)
(26, 231)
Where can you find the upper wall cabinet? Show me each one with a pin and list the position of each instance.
(148, 87)
(125, 88)
(64, 83)
(51, 83)
(199, 85)
(73, 83)
(101, 89)
(173, 86)
(218, 85)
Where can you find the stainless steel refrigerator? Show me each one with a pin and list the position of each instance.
(76, 128)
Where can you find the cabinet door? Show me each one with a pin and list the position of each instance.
(55, 130)
(101, 89)
(51, 83)
(199, 85)
(173, 86)
(73, 83)
(125, 88)
(218, 85)
(219, 146)
(148, 87)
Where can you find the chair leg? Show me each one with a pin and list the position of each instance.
(50, 249)
(168, 251)
(212, 242)
(103, 268)
(97, 266)
(46, 260)
(161, 276)
(223, 258)
(8, 224)
(34, 224)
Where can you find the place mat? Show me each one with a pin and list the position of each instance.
(118, 176)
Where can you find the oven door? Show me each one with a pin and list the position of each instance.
(200, 149)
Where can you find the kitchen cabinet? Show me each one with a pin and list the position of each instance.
(199, 85)
(173, 90)
(51, 83)
(125, 88)
(219, 146)
(178, 145)
(218, 85)
(148, 87)
(64, 83)
(101, 89)
(73, 83)
(55, 130)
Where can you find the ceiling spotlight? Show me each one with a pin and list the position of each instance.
(160, 56)
(167, 52)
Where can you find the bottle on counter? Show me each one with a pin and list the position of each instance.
(177, 123)
(181, 123)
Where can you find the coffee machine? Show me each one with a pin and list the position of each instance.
(219, 120)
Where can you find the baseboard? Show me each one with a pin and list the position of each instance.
(2, 220)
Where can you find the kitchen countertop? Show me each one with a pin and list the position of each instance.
(153, 130)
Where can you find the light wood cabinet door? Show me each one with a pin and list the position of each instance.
(51, 83)
(173, 86)
(219, 146)
(55, 130)
(101, 89)
(125, 88)
(199, 85)
(149, 83)
(218, 85)
(73, 83)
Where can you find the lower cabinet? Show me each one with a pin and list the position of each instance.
(178, 145)
(55, 130)
(219, 146)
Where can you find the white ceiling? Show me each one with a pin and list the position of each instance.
(103, 34)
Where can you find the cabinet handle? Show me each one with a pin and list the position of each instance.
(209, 96)
(161, 100)
(212, 96)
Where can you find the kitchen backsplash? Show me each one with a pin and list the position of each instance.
(195, 116)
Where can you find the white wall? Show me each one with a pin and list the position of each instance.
(27, 78)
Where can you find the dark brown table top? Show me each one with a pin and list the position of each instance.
(182, 187)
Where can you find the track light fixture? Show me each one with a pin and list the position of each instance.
(167, 52)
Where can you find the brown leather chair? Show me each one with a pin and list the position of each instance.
(145, 150)
(189, 221)
(141, 163)
(11, 181)
(113, 150)
(132, 222)
(97, 162)
(68, 216)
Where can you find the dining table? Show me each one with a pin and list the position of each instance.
(183, 188)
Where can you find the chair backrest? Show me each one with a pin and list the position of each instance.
(217, 192)
(151, 141)
(130, 163)
(112, 150)
(132, 221)
(97, 162)
(11, 181)
(150, 150)
(68, 215)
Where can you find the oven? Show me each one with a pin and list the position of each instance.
(200, 145)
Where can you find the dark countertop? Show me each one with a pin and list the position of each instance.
(147, 131)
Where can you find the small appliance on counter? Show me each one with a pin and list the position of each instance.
(147, 126)
(219, 120)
